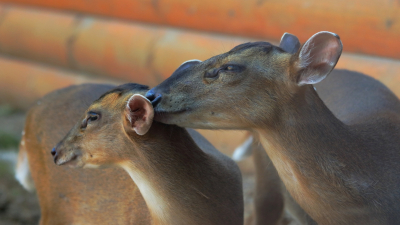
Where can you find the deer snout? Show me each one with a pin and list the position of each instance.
(62, 156)
(154, 97)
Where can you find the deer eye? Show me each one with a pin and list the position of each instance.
(92, 116)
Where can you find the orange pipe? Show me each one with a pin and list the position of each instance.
(132, 51)
(36, 34)
(22, 83)
(369, 27)
(102, 47)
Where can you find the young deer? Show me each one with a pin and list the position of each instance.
(338, 158)
(71, 196)
(183, 181)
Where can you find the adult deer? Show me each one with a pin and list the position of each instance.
(339, 158)
(168, 163)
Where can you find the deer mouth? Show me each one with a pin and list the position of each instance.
(72, 160)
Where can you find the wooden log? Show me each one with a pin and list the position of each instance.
(370, 27)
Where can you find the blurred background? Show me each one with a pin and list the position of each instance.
(46, 45)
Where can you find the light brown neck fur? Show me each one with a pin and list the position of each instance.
(178, 180)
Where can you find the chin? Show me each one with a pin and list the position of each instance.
(74, 164)
(90, 166)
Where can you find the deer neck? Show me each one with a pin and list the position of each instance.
(164, 169)
(158, 206)
(310, 149)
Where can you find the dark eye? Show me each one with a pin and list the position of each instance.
(92, 116)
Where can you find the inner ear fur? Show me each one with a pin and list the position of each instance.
(317, 58)
(140, 113)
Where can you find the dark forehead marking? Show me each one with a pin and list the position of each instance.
(264, 46)
(123, 89)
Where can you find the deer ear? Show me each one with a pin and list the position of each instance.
(140, 113)
(318, 57)
(289, 43)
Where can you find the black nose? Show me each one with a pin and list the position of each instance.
(154, 98)
(53, 152)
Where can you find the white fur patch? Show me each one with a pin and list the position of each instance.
(22, 172)
(153, 200)
(243, 151)
(90, 166)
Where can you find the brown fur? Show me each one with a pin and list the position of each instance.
(70, 196)
(183, 181)
(339, 159)
(268, 199)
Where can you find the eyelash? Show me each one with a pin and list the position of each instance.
(92, 118)
(229, 67)
(88, 119)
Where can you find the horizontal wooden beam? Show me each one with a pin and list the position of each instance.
(132, 51)
(103, 47)
(369, 27)
(23, 83)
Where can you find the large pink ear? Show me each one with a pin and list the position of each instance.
(318, 57)
(140, 113)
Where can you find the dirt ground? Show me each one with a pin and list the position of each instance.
(20, 207)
